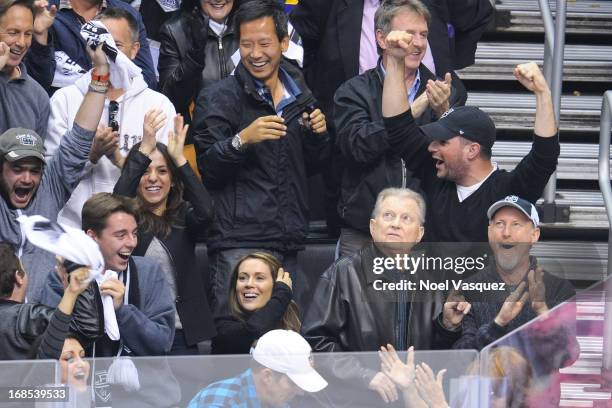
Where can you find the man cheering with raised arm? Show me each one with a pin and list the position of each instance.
(459, 176)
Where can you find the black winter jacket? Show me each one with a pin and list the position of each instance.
(235, 336)
(192, 220)
(347, 315)
(186, 68)
(371, 163)
(260, 194)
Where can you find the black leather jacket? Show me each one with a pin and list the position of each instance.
(22, 323)
(345, 317)
(183, 68)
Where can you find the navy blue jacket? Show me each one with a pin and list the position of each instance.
(65, 36)
(259, 194)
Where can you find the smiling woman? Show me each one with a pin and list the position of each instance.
(175, 211)
(260, 300)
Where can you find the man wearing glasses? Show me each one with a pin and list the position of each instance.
(121, 126)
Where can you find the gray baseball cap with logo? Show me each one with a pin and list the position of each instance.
(18, 143)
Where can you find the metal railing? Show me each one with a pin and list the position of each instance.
(606, 191)
(554, 50)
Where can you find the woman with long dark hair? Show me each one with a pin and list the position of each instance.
(260, 300)
(175, 210)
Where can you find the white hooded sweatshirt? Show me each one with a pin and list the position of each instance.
(102, 176)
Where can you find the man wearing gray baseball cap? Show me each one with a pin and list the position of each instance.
(528, 291)
(31, 186)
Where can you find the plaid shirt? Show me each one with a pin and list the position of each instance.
(238, 392)
(292, 91)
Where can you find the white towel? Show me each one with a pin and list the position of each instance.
(122, 69)
(78, 247)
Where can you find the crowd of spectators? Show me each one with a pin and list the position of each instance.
(89, 139)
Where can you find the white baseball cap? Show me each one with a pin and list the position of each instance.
(287, 352)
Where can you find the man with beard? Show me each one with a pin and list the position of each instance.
(528, 291)
(30, 185)
(452, 156)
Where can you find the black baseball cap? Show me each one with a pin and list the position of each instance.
(465, 121)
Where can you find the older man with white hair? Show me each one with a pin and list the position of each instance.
(350, 312)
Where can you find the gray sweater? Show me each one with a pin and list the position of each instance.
(60, 177)
(23, 103)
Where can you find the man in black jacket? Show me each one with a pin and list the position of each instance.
(371, 162)
(526, 290)
(256, 133)
(452, 156)
(22, 323)
(358, 307)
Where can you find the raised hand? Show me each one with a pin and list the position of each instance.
(530, 76)
(98, 59)
(79, 280)
(284, 277)
(430, 387)
(399, 44)
(5, 52)
(384, 387)
(176, 141)
(105, 143)
(264, 128)
(43, 20)
(391, 365)
(438, 94)
(537, 290)
(154, 120)
(512, 306)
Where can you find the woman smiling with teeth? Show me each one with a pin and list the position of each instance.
(175, 211)
(260, 300)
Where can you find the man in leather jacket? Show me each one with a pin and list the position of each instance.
(21, 324)
(350, 313)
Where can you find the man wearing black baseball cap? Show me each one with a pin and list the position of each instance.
(528, 290)
(452, 156)
(29, 185)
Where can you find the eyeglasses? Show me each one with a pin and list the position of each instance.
(113, 109)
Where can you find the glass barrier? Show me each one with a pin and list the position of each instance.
(554, 360)
(202, 381)
(24, 382)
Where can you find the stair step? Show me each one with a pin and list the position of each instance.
(575, 260)
(582, 17)
(516, 111)
(577, 161)
(495, 61)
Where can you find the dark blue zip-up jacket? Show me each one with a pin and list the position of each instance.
(259, 194)
(65, 36)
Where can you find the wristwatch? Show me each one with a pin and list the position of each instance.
(237, 143)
